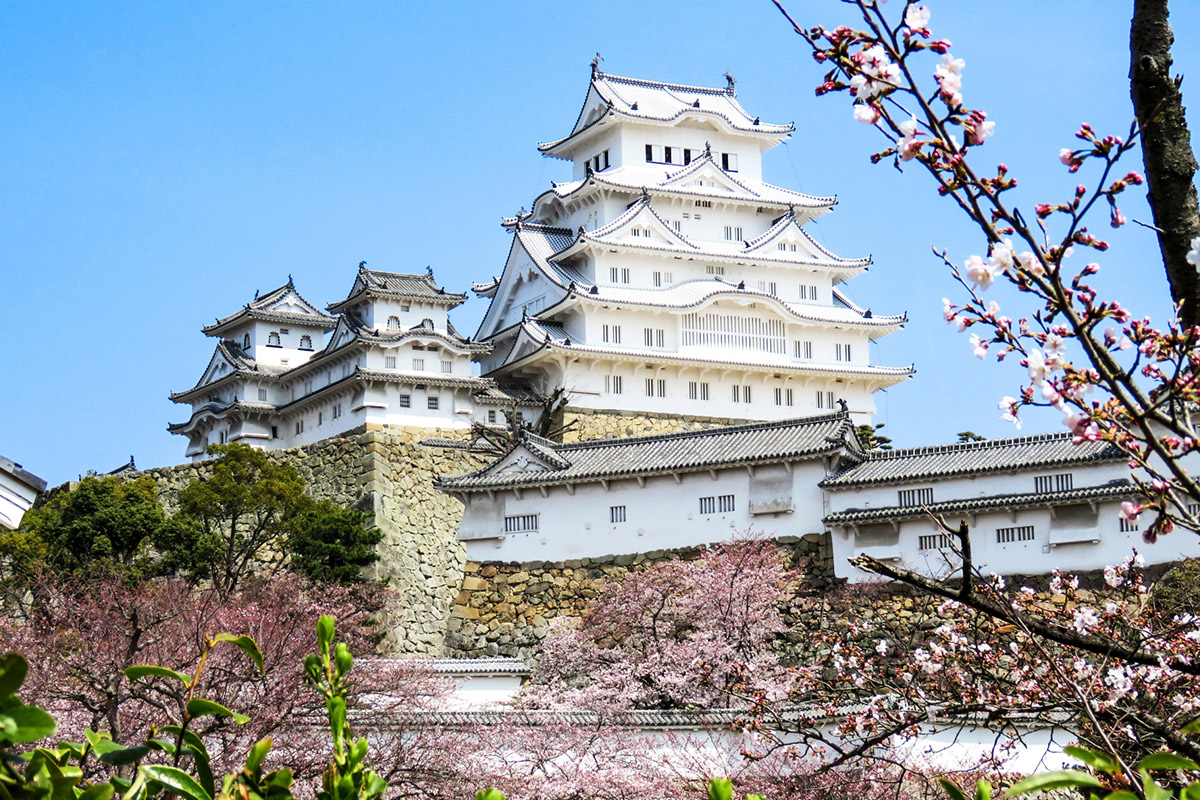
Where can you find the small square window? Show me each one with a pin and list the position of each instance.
(616, 514)
(389, 362)
(406, 401)
(262, 395)
(431, 403)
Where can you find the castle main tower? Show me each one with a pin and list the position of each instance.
(668, 277)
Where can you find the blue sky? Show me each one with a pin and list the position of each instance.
(160, 162)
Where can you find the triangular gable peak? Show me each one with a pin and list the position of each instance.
(527, 457)
(595, 107)
(286, 300)
(344, 334)
(788, 236)
(226, 360)
(525, 278)
(705, 173)
(640, 224)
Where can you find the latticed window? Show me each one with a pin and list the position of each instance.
(708, 505)
(393, 323)
(934, 541)
(1062, 482)
(306, 342)
(521, 523)
(725, 503)
(1018, 533)
(734, 332)
(616, 513)
(910, 498)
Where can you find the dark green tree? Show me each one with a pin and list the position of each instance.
(330, 543)
(104, 525)
(870, 438)
(235, 520)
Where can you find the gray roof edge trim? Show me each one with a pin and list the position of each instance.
(995, 502)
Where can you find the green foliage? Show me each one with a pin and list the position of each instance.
(347, 776)
(330, 543)
(102, 526)
(870, 438)
(240, 515)
(1178, 592)
(1106, 771)
(722, 789)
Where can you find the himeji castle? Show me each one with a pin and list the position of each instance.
(667, 276)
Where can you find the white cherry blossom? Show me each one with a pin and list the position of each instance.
(916, 17)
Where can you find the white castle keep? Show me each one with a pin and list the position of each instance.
(665, 278)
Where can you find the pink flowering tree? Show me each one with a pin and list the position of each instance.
(1111, 666)
(1111, 374)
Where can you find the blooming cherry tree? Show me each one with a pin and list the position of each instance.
(1110, 374)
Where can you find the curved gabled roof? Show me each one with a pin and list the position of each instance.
(283, 305)
(662, 103)
(610, 459)
(701, 292)
(400, 285)
(240, 366)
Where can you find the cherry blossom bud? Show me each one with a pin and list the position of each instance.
(1044, 210)
(940, 46)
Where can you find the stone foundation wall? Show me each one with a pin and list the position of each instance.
(388, 473)
(504, 609)
(592, 424)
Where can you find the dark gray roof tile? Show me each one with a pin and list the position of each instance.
(677, 452)
(972, 458)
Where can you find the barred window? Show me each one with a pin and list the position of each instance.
(725, 503)
(697, 390)
(910, 498)
(934, 541)
(708, 505)
(1128, 526)
(521, 523)
(405, 401)
(389, 362)
(616, 513)
(1020, 533)
(1062, 482)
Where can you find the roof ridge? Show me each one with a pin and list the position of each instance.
(985, 444)
(662, 84)
(794, 422)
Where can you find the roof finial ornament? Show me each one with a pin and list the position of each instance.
(729, 83)
(289, 279)
(708, 149)
(843, 406)
(362, 265)
(696, 103)
(645, 194)
(429, 270)
(596, 64)
(256, 294)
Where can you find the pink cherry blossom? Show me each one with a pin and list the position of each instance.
(916, 17)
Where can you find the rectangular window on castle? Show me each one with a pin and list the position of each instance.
(842, 351)
(336, 411)
(911, 498)
(1128, 526)
(770, 287)
(725, 503)
(934, 541)
(447, 366)
(1020, 533)
(697, 390)
(613, 384)
(431, 403)
(649, 152)
(406, 401)
(825, 400)
(663, 278)
(654, 337)
(521, 523)
(733, 233)
(667, 154)
(708, 505)
(714, 270)
(611, 334)
(1061, 482)
(729, 162)
(405, 307)
(491, 417)
(299, 427)
(320, 418)
(418, 364)
(808, 292)
(616, 514)
(656, 387)
(803, 350)
(703, 204)
(389, 362)
(785, 397)
(262, 395)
